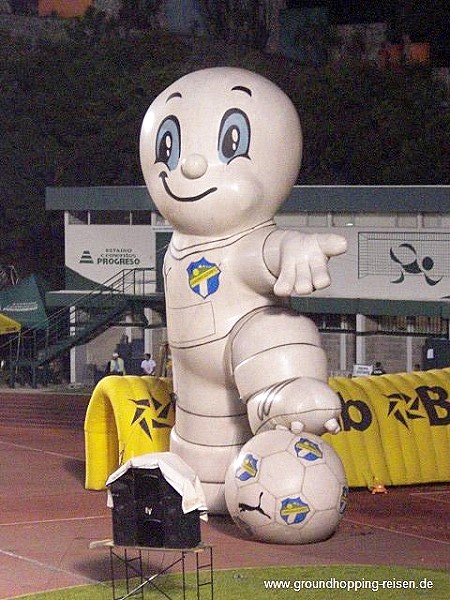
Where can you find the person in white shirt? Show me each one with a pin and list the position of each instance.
(148, 365)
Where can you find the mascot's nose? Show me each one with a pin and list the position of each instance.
(194, 166)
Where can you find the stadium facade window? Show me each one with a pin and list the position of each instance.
(411, 325)
(141, 217)
(408, 220)
(432, 220)
(159, 221)
(292, 219)
(318, 220)
(111, 217)
(78, 217)
(375, 220)
(333, 322)
(343, 219)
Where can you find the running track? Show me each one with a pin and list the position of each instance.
(48, 519)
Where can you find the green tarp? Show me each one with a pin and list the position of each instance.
(24, 303)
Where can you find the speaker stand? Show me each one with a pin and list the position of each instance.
(136, 578)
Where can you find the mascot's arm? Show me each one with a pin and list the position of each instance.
(300, 261)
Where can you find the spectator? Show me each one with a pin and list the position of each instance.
(116, 365)
(148, 365)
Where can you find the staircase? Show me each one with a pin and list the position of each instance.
(130, 290)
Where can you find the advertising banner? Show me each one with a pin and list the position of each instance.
(98, 252)
(389, 264)
(395, 428)
(392, 264)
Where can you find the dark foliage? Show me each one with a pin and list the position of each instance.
(70, 114)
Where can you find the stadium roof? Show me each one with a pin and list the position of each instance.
(315, 198)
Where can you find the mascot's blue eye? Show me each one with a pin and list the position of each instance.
(168, 143)
(234, 135)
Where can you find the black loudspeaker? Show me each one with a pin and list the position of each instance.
(147, 512)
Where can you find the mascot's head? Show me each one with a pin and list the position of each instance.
(220, 151)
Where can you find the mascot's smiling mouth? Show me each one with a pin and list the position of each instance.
(163, 177)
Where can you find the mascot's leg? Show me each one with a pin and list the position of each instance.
(280, 371)
(211, 423)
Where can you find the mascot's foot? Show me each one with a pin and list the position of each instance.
(301, 404)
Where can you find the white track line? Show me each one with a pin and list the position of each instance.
(46, 521)
(396, 531)
(429, 493)
(436, 495)
(51, 452)
(40, 564)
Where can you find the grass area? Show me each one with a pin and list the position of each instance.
(338, 583)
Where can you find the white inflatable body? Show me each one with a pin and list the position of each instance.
(220, 151)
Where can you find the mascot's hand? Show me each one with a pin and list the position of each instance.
(300, 261)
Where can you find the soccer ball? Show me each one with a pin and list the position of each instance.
(286, 488)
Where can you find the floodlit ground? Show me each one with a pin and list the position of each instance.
(48, 519)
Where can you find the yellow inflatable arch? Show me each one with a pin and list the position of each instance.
(126, 416)
(395, 428)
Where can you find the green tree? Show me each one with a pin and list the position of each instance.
(366, 126)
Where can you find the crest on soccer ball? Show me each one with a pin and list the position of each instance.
(307, 449)
(293, 510)
(248, 468)
(203, 277)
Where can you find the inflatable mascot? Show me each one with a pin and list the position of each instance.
(220, 151)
